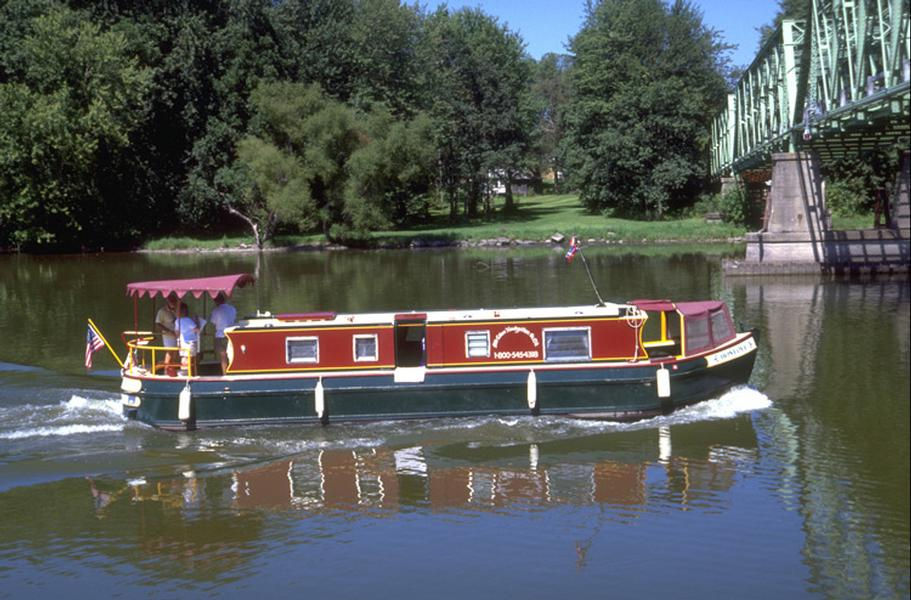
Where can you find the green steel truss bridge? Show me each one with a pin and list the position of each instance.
(836, 84)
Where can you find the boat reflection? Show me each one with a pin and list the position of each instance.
(384, 479)
(208, 523)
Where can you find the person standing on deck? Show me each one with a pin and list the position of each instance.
(188, 329)
(165, 321)
(223, 315)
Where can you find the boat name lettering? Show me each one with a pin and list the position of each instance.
(728, 354)
(518, 354)
(514, 329)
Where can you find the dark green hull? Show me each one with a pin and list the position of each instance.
(616, 392)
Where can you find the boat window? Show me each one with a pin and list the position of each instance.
(567, 344)
(721, 326)
(365, 348)
(697, 333)
(477, 344)
(298, 350)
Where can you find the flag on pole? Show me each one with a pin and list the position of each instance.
(93, 342)
(573, 248)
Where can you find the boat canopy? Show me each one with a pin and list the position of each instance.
(706, 323)
(687, 309)
(693, 309)
(197, 287)
(653, 305)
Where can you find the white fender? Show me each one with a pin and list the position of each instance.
(319, 399)
(664, 382)
(183, 403)
(532, 390)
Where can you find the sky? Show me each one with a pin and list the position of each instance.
(547, 25)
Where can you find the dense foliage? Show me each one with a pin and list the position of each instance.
(124, 119)
(644, 77)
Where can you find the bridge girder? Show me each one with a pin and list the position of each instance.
(837, 83)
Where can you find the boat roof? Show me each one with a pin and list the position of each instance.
(212, 286)
(433, 316)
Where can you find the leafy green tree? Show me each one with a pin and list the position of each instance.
(244, 47)
(646, 80)
(551, 91)
(387, 68)
(391, 176)
(480, 105)
(70, 106)
(318, 44)
(294, 160)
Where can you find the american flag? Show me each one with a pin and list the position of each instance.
(573, 248)
(93, 342)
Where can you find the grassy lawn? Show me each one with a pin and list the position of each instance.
(852, 222)
(537, 218)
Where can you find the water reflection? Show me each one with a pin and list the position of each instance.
(631, 470)
(836, 365)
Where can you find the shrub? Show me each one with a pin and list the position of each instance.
(733, 207)
(846, 198)
(707, 203)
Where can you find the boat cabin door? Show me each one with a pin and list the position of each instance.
(410, 347)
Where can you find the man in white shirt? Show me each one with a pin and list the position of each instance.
(188, 329)
(223, 315)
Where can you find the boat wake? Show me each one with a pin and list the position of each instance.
(80, 414)
(738, 401)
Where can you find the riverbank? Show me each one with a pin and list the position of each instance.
(537, 220)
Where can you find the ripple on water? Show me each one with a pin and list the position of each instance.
(80, 414)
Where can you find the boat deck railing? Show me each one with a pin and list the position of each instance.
(143, 356)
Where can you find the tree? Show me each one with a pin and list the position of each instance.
(70, 108)
(386, 36)
(241, 48)
(551, 90)
(294, 160)
(646, 80)
(480, 107)
(391, 176)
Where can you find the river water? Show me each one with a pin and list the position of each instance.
(795, 486)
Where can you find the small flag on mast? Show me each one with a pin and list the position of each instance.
(93, 343)
(573, 248)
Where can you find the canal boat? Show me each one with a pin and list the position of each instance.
(606, 361)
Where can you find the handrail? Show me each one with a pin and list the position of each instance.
(141, 353)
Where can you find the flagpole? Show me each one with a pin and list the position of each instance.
(590, 278)
(98, 333)
(574, 247)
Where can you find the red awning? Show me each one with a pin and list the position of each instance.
(196, 287)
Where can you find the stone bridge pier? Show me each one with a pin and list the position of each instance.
(798, 235)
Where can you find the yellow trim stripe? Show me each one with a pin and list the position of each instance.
(527, 362)
(561, 320)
